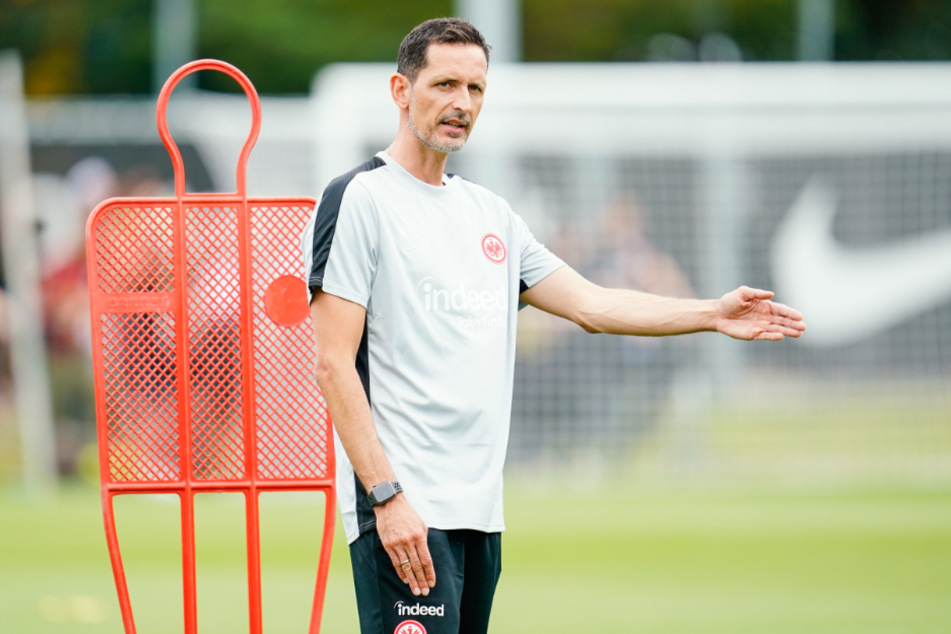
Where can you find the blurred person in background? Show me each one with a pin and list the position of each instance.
(65, 206)
(416, 279)
(636, 371)
(616, 387)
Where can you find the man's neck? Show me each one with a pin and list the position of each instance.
(422, 162)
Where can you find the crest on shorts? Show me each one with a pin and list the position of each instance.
(410, 627)
(493, 248)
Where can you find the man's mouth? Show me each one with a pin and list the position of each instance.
(457, 124)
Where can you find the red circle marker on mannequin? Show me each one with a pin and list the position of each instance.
(285, 301)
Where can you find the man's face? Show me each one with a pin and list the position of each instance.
(446, 97)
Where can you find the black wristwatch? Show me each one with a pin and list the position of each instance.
(384, 492)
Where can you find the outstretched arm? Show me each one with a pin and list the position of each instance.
(744, 313)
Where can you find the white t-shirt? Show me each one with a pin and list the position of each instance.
(439, 270)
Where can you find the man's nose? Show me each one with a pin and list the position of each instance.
(462, 100)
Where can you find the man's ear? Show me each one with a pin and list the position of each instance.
(399, 90)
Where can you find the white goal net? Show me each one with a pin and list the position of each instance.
(829, 184)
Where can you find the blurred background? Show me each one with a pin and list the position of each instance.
(682, 148)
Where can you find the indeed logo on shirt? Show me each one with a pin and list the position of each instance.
(468, 305)
(419, 610)
(460, 299)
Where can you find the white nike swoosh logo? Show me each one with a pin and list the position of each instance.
(849, 293)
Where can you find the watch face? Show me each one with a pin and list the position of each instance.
(381, 493)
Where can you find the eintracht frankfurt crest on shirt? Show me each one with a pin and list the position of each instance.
(493, 248)
(410, 627)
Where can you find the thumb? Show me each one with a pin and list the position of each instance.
(749, 294)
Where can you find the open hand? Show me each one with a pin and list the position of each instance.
(748, 313)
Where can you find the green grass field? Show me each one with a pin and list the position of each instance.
(666, 562)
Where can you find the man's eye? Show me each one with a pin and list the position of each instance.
(475, 88)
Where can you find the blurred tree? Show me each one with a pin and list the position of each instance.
(628, 30)
(280, 44)
(79, 46)
(894, 30)
(764, 30)
(98, 47)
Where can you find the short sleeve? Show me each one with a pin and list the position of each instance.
(344, 244)
(537, 262)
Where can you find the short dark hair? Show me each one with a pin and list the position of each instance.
(412, 55)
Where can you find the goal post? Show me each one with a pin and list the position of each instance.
(21, 263)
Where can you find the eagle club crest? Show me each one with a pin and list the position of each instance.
(409, 627)
(493, 248)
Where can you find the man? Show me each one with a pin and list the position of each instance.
(416, 279)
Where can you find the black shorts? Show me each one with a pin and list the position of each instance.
(468, 564)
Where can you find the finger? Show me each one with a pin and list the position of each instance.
(777, 331)
(785, 311)
(406, 566)
(787, 323)
(795, 328)
(400, 562)
(420, 562)
(792, 332)
(428, 567)
(406, 574)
